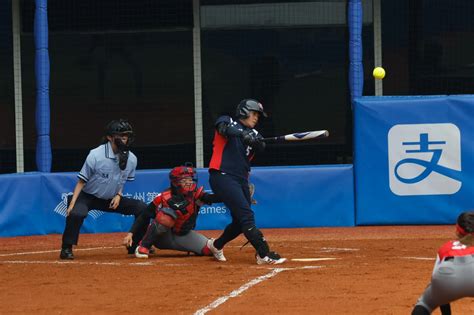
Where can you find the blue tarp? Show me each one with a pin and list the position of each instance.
(310, 196)
(413, 159)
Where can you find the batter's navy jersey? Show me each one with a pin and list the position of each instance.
(102, 173)
(230, 155)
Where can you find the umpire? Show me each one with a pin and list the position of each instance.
(101, 182)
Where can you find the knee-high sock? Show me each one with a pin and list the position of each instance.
(231, 231)
(255, 237)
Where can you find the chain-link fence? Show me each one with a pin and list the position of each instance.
(137, 60)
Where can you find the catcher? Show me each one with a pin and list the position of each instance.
(173, 215)
(452, 277)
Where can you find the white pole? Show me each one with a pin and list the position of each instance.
(197, 85)
(20, 161)
(377, 44)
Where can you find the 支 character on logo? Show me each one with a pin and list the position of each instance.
(424, 159)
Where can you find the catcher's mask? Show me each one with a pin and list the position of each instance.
(116, 129)
(183, 179)
(246, 106)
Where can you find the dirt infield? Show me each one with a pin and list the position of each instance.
(363, 270)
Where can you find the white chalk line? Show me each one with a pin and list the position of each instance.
(313, 259)
(337, 249)
(419, 258)
(56, 251)
(63, 262)
(246, 286)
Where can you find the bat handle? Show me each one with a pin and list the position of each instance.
(269, 140)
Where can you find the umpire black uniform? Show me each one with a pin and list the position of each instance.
(100, 184)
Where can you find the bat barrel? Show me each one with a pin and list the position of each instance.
(299, 136)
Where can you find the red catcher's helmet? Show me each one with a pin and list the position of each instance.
(179, 173)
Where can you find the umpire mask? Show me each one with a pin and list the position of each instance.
(123, 158)
(117, 129)
(123, 149)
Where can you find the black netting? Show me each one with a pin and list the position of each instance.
(7, 102)
(134, 59)
(299, 76)
(110, 60)
(428, 47)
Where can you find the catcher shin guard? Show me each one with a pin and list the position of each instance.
(255, 237)
(155, 229)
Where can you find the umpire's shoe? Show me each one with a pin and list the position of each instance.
(66, 253)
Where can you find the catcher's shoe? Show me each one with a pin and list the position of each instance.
(271, 258)
(218, 253)
(142, 252)
(131, 250)
(66, 253)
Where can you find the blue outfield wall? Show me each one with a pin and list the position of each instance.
(413, 159)
(306, 196)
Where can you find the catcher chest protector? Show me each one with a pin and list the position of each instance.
(184, 223)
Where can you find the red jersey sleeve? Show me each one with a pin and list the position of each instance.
(454, 248)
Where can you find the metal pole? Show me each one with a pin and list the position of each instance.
(20, 160)
(377, 44)
(197, 85)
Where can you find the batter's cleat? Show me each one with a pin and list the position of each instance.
(66, 253)
(218, 253)
(142, 252)
(271, 258)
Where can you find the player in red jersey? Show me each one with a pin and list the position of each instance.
(452, 274)
(173, 215)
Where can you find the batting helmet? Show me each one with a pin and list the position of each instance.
(246, 106)
(179, 173)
